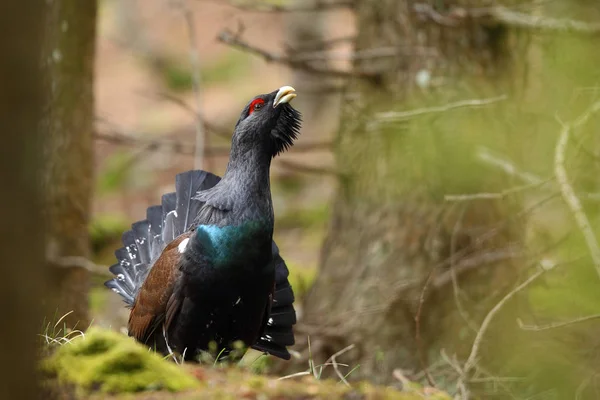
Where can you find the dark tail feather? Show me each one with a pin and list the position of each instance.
(278, 333)
(146, 240)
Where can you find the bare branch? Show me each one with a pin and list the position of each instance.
(485, 155)
(472, 359)
(56, 260)
(185, 148)
(493, 196)
(368, 54)
(234, 40)
(458, 16)
(418, 338)
(555, 325)
(455, 288)
(566, 189)
(263, 6)
(393, 116)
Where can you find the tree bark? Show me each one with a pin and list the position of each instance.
(68, 155)
(22, 229)
(391, 234)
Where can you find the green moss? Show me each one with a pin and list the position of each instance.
(112, 363)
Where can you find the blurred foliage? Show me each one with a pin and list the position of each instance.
(304, 218)
(105, 229)
(116, 172)
(301, 278)
(177, 75)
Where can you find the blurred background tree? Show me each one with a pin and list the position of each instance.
(70, 34)
(393, 240)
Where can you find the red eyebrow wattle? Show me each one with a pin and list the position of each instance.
(255, 102)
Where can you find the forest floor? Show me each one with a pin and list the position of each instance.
(107, 365)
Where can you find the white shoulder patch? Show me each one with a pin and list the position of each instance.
(182, 246)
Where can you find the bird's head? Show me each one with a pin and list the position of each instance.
(269, 122)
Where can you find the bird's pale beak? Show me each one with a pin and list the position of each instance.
(284, 95)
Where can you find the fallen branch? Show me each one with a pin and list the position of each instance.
(566, 189)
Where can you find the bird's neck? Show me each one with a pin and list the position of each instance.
(248, 172)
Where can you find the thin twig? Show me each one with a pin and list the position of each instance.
(188, 16)
(54, 259)
(393, 116)
(234, 40)
(455, 288)
(182, 147)
(472, 359)
(368, 54)
(484, 154)
(555, 325)
(566, 189)
(335, 364)
(458, 16)
(418, 338)
(493, 196)
(263, 6)
(209, 127)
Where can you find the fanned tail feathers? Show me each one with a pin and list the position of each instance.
(146, 240)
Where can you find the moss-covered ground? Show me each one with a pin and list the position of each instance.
(107, 365)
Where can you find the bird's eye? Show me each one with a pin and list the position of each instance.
(256, 105)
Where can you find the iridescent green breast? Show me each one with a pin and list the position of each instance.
(230, 245)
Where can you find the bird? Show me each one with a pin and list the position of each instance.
(202, 267)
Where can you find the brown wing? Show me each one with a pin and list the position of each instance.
(150, 305)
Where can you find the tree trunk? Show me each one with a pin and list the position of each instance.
(68, 155)
(391, 234)
(22, 230)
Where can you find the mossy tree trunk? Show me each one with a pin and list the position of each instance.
(391, 232)
(22, 229)
(70, 32)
